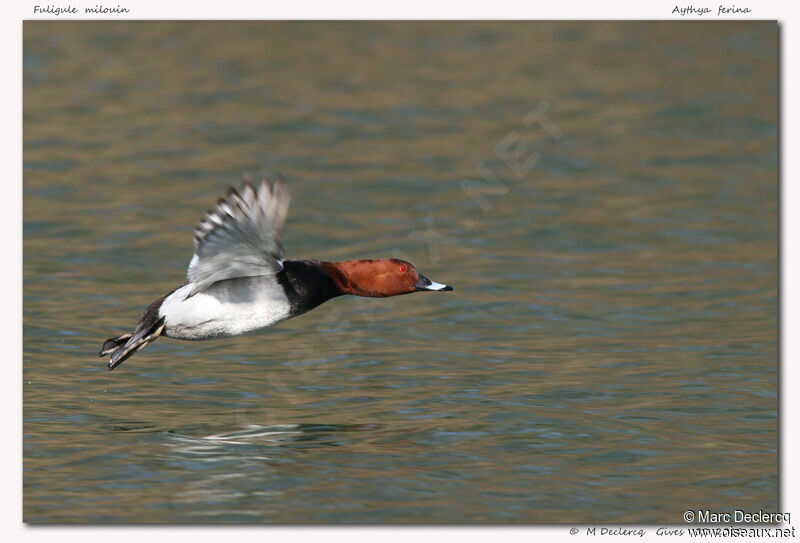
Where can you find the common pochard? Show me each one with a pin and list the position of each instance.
(239, 280)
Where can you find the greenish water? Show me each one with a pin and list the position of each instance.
(609, 353)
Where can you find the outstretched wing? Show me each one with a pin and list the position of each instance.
(240, 237)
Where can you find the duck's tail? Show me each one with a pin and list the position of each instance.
(123, 347)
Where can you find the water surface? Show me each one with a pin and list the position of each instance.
(609, 353)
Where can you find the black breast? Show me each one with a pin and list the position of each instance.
(306, 284)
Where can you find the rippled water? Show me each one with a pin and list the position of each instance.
(609, 353)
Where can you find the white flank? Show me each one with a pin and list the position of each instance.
(226, 308)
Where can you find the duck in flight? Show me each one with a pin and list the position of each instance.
(239, 280)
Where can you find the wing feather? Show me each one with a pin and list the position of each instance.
(240, 236)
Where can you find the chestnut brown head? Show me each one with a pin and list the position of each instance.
(380, 278)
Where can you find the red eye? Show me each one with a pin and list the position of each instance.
(402, 269)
